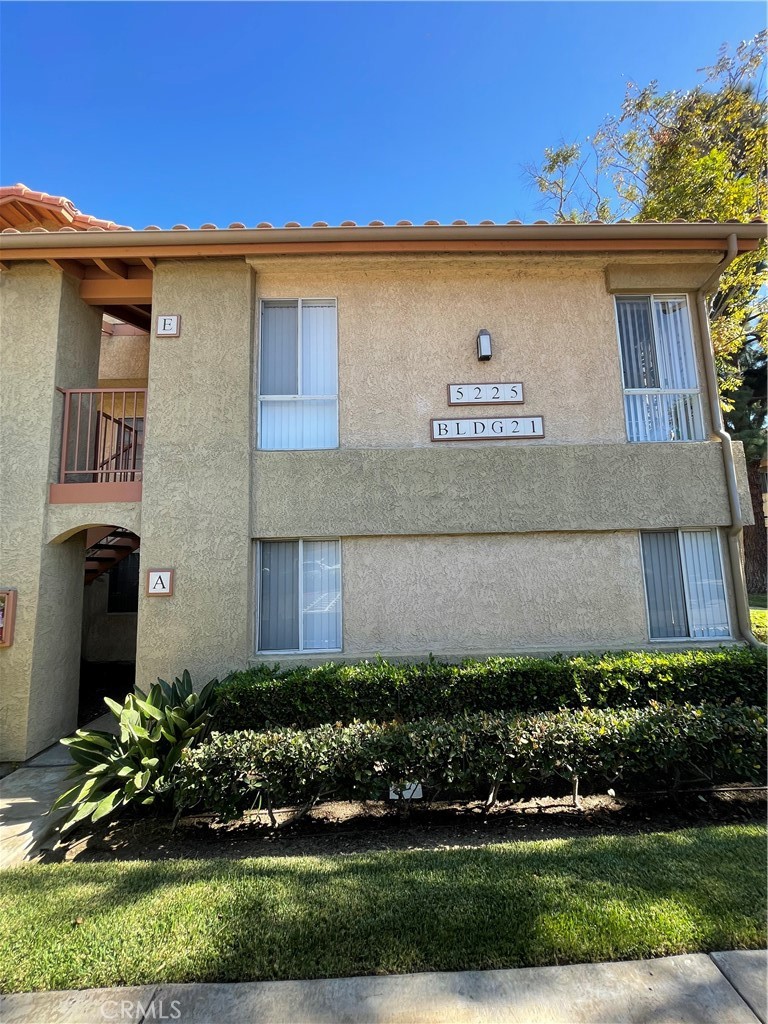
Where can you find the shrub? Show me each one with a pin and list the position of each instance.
(379, 691)
(474, 754)
(136, 765)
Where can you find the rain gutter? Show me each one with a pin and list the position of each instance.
(735, 531)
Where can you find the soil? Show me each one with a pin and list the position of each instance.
(347, 828)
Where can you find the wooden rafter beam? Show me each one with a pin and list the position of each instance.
(113, 268)
(105, 291)
(148, 263)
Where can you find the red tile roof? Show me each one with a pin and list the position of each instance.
(22, 209)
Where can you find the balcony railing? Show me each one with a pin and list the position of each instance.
(102, 447)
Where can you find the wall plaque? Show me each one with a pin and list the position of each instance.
(7, 616)
(168, 326)
(487, 428)
(159, 582)
(485, 394)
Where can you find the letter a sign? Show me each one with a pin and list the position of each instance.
(159, 582)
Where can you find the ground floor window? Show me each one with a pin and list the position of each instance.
(684, 585)
(299, 595)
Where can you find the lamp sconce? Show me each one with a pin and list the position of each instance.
(484, 351)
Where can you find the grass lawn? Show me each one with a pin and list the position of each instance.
(556, 901)
(759, 616)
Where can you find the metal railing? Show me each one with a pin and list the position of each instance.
(102, 435)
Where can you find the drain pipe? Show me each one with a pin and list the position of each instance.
(735, 531)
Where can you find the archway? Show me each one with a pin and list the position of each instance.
(110, 612)
(108, 574)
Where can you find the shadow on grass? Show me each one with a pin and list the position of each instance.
(565, 901)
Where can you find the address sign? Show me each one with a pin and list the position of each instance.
(487, 428)
(485, 394)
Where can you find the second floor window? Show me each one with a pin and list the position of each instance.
(662, 400)
(298, 375)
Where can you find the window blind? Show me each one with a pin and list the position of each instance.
(298, 405)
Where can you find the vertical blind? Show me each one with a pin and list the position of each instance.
(684, 584)
(299, 375)
(279, 604)
(706, 594)
(662, 400)
(321, 595)
(664, 584)
(300, 596)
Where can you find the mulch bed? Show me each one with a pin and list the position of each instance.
(346, 828)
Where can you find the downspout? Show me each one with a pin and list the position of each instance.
(736, 529)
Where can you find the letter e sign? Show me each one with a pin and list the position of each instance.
(168, 326)
(159, 582)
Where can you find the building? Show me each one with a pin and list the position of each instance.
(338, 442)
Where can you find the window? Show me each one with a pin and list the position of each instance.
(662, 400)
(684, 585)
(123, 594)
(300, 595)
(298, 375)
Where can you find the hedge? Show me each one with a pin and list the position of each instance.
(474, 754)
(379, 691)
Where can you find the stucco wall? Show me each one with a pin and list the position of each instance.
(49, 338)
(106, 636)
(478, 489)
(196, 491)
(658, 276)
(491, 593)
(55, 676)
(124, 357)
(62, 521)
(407, 329)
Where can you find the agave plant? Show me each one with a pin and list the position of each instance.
(136, 766)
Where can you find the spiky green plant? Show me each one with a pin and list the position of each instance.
(135, 767)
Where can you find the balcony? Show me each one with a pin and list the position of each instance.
(102, 446)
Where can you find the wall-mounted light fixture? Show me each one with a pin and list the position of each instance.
(484, 345)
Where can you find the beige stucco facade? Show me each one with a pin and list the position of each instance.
(490, 488)
(48, 338)
(453, 549)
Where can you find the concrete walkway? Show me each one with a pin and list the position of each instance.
(722, 988)
(26, 795)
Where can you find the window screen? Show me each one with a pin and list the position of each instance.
(300, 596)
(684, 585)
(298, 404)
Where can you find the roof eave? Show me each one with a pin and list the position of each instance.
(589, 236)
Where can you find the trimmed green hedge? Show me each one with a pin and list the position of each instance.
(379, 691)
(475, 754)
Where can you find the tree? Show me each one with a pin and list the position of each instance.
(699, 154)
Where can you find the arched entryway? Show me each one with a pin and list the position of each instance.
(101, 588)
(110, 611)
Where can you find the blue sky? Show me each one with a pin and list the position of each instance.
(165, 113)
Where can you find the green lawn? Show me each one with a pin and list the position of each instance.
(557, 901)
(759, 616)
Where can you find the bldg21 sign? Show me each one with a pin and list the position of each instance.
(487, 429)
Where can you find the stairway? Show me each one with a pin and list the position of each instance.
(105, 546)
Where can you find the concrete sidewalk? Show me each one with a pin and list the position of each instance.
(721, 988)
(26, 795)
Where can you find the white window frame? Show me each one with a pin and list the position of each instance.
(660, 391)
(300, 649)
(294, 398)
(687, 639)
